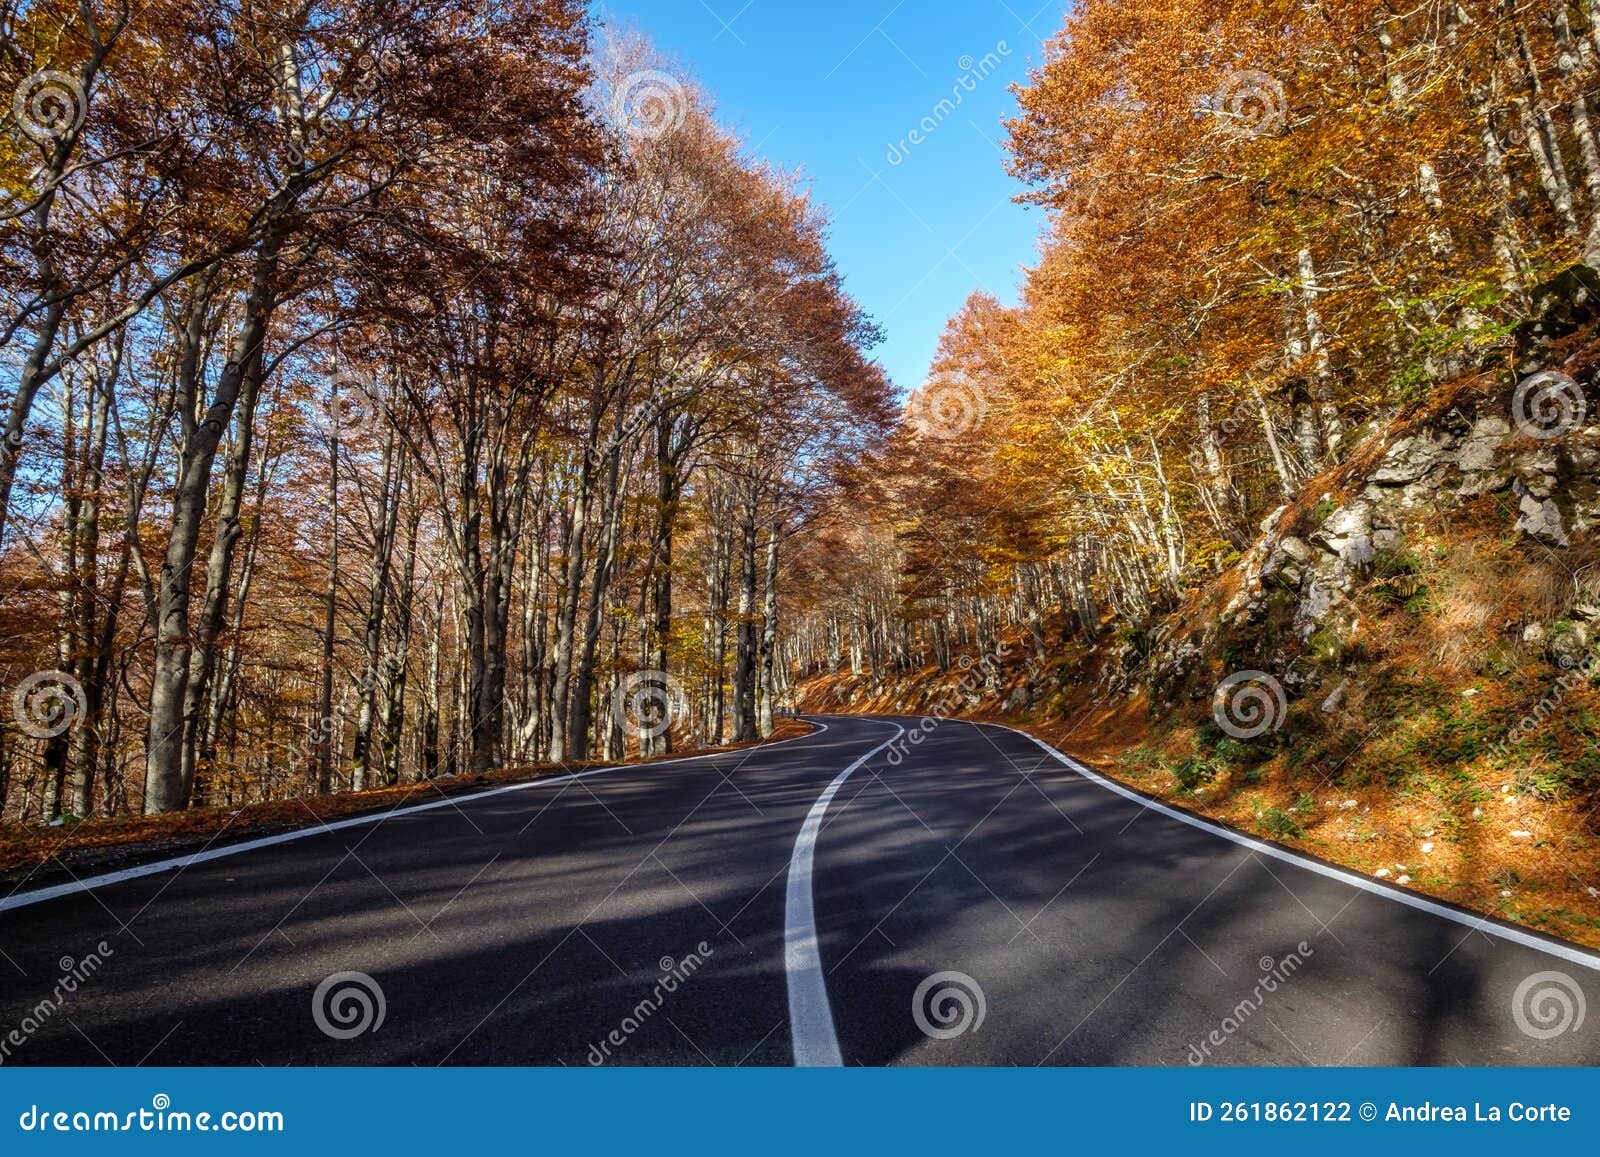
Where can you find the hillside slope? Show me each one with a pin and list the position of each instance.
(1399, 674)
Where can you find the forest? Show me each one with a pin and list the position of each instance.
(545, 534)
(1274, 228)
(397, 391)
(393, 391)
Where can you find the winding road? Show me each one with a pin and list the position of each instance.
(846, 897)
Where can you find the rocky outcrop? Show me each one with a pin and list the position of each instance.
(1526, 447)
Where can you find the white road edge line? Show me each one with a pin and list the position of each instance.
(24, 899)
(811, 1031)
(1560, 951)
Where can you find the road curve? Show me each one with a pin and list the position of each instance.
(974, 901)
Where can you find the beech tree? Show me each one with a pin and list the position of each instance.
(385, 377)
(1272, 226)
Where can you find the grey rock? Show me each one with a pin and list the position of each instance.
(1356, 518)
(1297, 549)
(1347, 534)
(1285, 567)
(1315, 609)
(1569, 646)
(1540, 518)
(1411, 459)
(1477, 453)
(1487, 482)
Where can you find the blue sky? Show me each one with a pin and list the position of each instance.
(834, 88)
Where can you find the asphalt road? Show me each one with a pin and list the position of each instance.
(972, 901)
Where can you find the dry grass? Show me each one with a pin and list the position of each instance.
(1437, 677)
(1542, 881)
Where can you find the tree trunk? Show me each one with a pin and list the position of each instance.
(605, 555)
(219, 570)
(567, 615)
(744, 663)
(328, 732)
(378, 570)
(769, 632)
(667, 494)
(166, 788)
